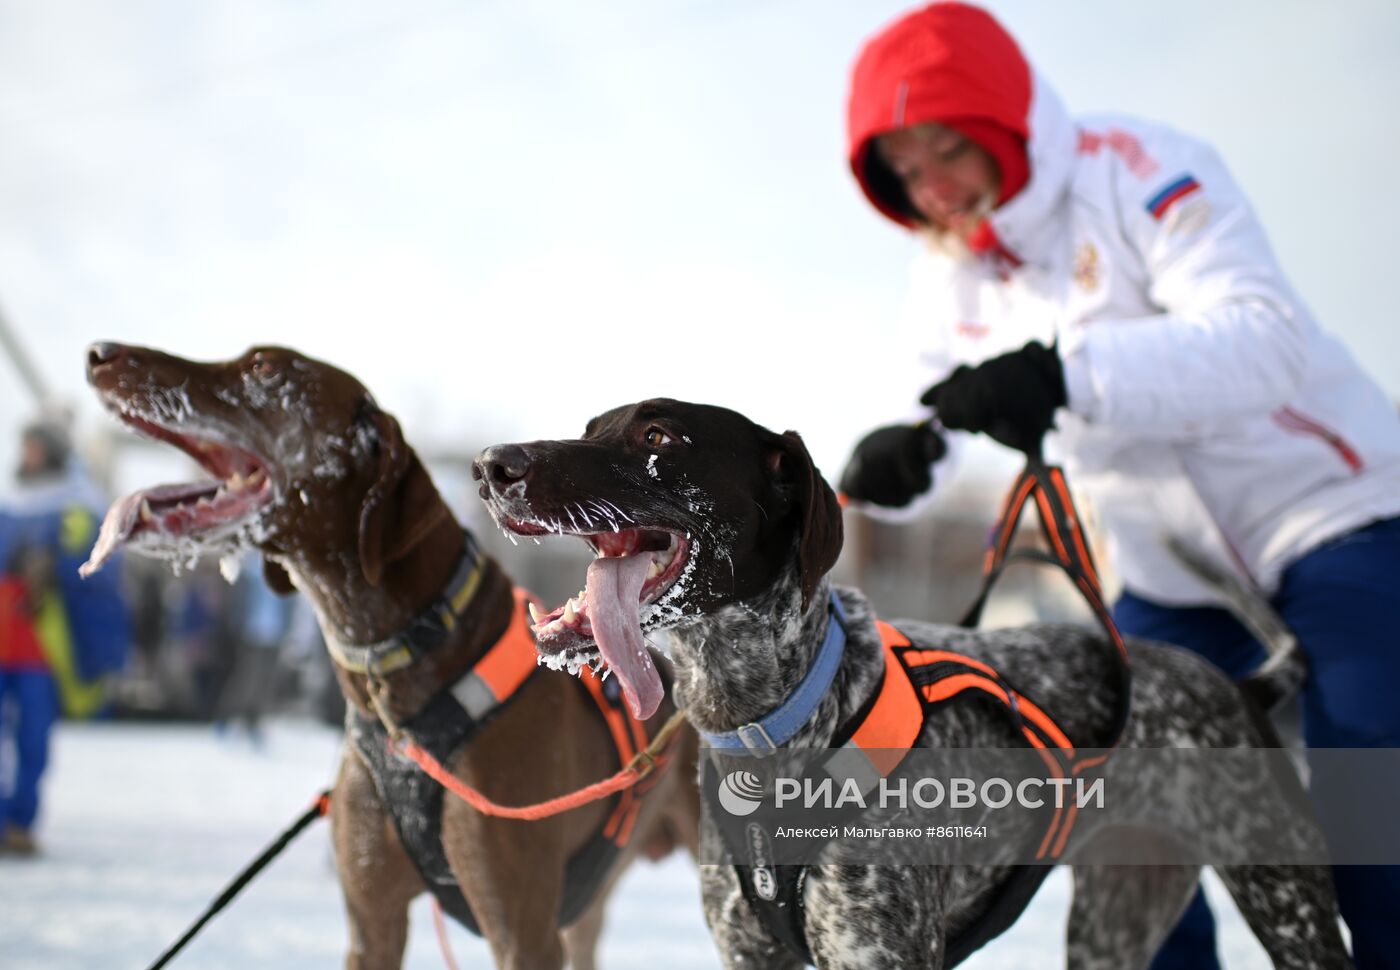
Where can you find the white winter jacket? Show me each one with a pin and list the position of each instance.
(1204, 400)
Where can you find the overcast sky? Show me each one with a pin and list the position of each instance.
(506, 217)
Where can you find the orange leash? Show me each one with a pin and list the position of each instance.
(640, 766)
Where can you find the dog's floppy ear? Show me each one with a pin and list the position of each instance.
(401, 507)
(276, 578)
(819, 514)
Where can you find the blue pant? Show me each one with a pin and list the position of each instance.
(28, 708)
(1339, 601)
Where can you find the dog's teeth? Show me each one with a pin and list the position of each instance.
(235, 481)
(534, 613)
(653, 570)
(203, 502)
(569, 614)
(256, 477)
(146, 514)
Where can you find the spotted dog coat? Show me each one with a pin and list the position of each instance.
(745, 620)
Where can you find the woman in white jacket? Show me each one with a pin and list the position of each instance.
(1105, 280)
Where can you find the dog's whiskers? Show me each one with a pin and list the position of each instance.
(620, 512)
(603, 510)
(587, 519)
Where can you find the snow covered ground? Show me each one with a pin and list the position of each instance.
(144, 824)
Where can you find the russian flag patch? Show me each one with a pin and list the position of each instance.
(1178, 189)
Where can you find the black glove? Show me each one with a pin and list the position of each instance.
(1012, 397)
(890, 466)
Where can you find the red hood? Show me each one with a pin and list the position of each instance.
(950, 63)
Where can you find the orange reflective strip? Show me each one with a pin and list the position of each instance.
(1054, 824)
(1058, 479)
(622, 741)
(894, 721)
(1010, 511)
(639, 742)
(615, 820)
(922, 658)
(1052, 528)
(1058, 772)
(1033, 713)
(1070, 813)
(1105, 618)
(951, 686)
(1088, 763)
(512, 658)
(629, 819)
(1049, 758)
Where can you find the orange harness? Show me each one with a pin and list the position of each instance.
(491, 683)
(917, 680)
(409, 773)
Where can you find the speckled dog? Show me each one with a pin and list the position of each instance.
(721, 531)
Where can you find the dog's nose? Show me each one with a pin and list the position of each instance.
(102, 352)
(501, 464)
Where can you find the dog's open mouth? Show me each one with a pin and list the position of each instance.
(632, 574)
(186, 519)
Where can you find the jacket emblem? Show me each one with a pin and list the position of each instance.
(1086, 267)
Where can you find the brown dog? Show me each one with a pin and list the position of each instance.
(312, 473)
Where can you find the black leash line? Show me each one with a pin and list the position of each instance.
(318, 808)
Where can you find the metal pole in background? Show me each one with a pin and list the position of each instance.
(28, 373)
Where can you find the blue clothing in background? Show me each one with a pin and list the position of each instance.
(1338, 600)
(28, 708)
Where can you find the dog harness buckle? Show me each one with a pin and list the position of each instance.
(756, 739)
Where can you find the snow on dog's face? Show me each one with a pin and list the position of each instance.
(278, 433)
(687, 508)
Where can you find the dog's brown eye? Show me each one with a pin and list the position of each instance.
(655, 438)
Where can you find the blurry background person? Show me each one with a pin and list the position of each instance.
(1105, 276)
(256, 622)
(59, 636)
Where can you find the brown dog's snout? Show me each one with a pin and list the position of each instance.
(103, 352)
(501, 465)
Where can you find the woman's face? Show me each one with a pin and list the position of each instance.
(949, 179)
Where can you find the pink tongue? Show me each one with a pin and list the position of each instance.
(614, 594)
(116, 529)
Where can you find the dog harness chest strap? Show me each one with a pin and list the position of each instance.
(917, 682)
(781, 724)
(426, 631)
(414, 797)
